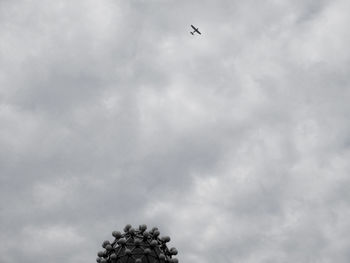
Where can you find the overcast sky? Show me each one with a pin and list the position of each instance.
(235, 143)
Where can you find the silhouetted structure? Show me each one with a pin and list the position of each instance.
(137, 246)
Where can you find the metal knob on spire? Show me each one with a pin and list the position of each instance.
(137, 246)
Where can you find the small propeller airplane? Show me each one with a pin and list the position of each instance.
(195, 30)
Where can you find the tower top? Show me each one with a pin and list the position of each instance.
(137, 246)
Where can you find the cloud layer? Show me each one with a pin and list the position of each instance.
(235, 143)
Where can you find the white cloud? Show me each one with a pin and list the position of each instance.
(234, 142)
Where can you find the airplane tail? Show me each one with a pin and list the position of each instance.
(192, 33)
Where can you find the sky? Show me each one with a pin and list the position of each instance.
(235, 143)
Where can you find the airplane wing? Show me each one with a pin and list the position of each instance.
(193, 27)
(198, 31)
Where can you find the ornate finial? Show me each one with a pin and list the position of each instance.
(137, 246)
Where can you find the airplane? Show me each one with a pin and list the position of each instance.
(195, 30)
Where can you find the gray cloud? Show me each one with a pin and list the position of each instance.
(235, 143)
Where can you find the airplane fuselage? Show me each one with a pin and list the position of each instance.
(195, 30)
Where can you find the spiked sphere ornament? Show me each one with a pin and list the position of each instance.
(137, 245)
